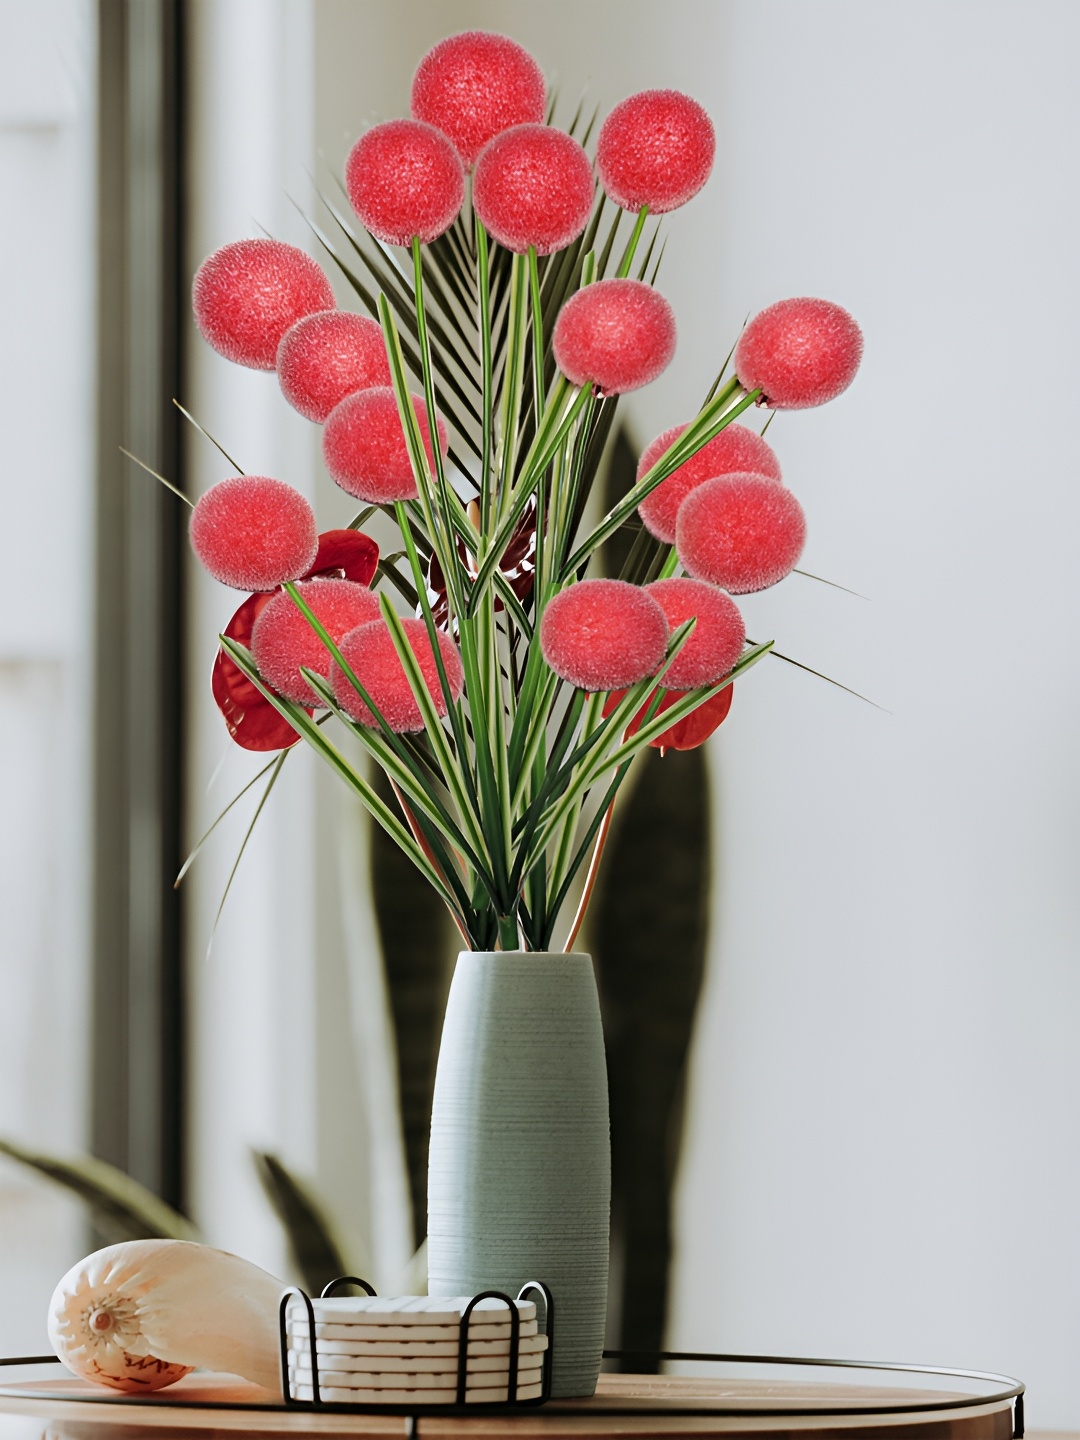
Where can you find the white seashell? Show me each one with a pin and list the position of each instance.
(140, 1315)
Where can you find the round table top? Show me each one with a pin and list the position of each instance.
(624, 1405)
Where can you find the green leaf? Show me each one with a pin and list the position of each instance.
(120, 1207)
(313, 1247)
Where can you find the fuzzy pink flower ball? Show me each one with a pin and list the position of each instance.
(283, 641)
(603, 634)
(329, 355)
(405, 179)
(736, 448)
(533, 186)
(615, 334)
(799, 353)
(743, 532)
(475, 85)
(656, 149)
(370, 653)
(254, 533)
(246, 295)
(365, 450)
(715, 642)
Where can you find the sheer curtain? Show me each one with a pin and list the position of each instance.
(289, 1036)
(47, 260)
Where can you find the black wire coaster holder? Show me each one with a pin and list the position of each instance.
(459, 1405)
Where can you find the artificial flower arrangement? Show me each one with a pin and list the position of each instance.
(508, 703)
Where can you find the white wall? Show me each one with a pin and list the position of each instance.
(47, 258)
(882, 1151)
(884, 1154)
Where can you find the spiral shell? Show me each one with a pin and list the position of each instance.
(141, 1315)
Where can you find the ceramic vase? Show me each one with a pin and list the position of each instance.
(519, 1179)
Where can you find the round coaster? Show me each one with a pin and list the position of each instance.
(334, 1395)
(410, 1380)
(360, 1367)
(410, 1310)
(527, 1345)
(326, 1331)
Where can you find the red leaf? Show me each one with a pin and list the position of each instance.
(347, 554)
(689, 732)
(251, 720)
(518, 566)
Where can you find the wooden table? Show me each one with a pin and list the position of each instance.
(647, 1405)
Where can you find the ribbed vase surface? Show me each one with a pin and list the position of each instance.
(519, 1180)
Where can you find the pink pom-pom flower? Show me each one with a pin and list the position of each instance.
(254, 533)
(371, 655)
(656, 149)
(329, 355)
(365, 450)
(742, 532)
(799, 353)
(615, 334)
(603, 634)
(533, 186)
(689, 732)
(475, 85)
(283, 642)
(247, 294)
(717, 639)
(405, 180)
(736, 448)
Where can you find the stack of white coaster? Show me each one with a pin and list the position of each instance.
(404, 1351)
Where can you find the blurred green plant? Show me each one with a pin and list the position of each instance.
(120, 1208)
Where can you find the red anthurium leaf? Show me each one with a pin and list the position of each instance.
(252, 721)
(518, 566)
(689, 732)
(346, 555)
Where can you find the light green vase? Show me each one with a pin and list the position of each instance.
(519, 1170)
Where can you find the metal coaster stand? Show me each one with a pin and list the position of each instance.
(367, 1407)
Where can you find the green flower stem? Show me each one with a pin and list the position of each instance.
(670, 565)
(449, 503)
(603, 812)
(302, 723)
(513, 380)
(391, 752)
(523, 771)
(432, 724)
(483, 796)
(492, 803)
(609, 243)
(566, 791)
(529, 710)
(632, 244)
(461, 874)
(483, 287)
(571, 489)
(456, 771)
(537, 335)
(561, 775)
(443, 544)
(494, 713)
(649, 731)
(540, 457)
